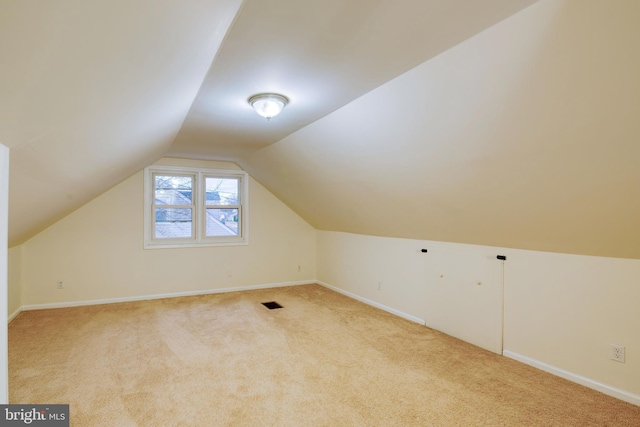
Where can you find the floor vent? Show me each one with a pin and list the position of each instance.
(272, 305)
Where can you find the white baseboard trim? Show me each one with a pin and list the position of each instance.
(157, 296)
(603, 388)
(373, 303)
(14, 314)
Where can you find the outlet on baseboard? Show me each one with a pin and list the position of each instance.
(617, 353)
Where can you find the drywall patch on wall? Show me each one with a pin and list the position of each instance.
(464, 289)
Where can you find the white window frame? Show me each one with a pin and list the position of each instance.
(198, 207)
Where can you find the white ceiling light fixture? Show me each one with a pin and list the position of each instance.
(268, 105)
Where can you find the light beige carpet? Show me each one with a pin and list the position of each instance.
(322, 360)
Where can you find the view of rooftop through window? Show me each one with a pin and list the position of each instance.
(173, 190)
(171, 221)
(174, 206)
(221, 192)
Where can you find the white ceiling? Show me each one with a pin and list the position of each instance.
(92, 91)
(321, 55)
(500, 122)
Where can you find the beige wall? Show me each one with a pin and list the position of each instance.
(4, 207)
(562, 312)
(431, 288)
(14, 282)
(566, 311)
(97, 251)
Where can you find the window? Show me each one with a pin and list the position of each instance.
(194, 207)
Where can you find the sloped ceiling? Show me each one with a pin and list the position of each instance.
(321, 55)
(479, 122)
(525, 136)
(92, 91)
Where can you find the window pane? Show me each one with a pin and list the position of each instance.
(173, 190)
(222, 222)
(173, 223)
(221, 191)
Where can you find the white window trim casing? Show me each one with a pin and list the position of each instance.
(199, 208)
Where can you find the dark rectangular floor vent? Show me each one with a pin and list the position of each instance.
(271, 305)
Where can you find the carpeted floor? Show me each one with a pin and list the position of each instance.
(322, 360)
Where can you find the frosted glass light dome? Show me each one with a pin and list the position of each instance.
(268, 105)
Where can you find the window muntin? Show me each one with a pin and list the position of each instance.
(222, 200)
(173, 206)
(195, 207)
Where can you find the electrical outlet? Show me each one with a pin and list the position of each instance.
(299, 268)
(617, 353)
(379, 286)
(60, 284)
